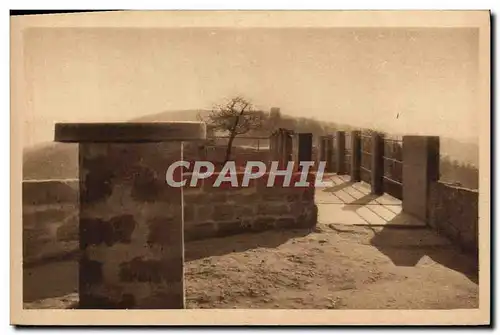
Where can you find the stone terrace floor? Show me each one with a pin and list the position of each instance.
(346, 203)
(364, 253)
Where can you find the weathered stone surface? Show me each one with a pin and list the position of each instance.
(96, 180)
(309, 218)
(122, 228)
(130, 132)
(308, 194)
(243, 197)
(273, 196)
(120, 177)
(454, 212)
(164, 230)
(234, 211)
(173, 299)
(68, 230)
(194, 197)
(286, 222)
(189, 213)
(200, 231)
(263, 223)
(272, 208)
(147, 186)
(203, 212)
(94, 231)
(243, 211)
(223, 212)
(225, 228)
(246, 223)
(152, 271)
(90, 272)
(293, 197)
(217, 197)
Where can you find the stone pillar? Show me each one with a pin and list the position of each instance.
(322, 148)
(295, 151)
(326, 152)
(377, 171)
(355, 156)
(281, 146)
(420, 169)
(287, 154)
(340, 152)
(329, 153)
(131, 220)
(305, 146)
(273, 146)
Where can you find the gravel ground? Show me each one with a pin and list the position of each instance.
(334, 267)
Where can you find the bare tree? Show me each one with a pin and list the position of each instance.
(235, 117)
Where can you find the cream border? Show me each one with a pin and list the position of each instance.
(248, 19)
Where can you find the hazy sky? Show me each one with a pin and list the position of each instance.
(361, 76)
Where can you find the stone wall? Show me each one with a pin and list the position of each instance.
(227, 210)
(453, 212)
(50, 213)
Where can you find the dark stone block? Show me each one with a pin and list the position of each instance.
(189, 213)
(97, 184)
(272, 209)
(263, 223)
(309, 218)
(130, 132)
(95, 231)
(164, 300)
(237, 197)
(90, 272)
(308, 194)
(226, 228)
(246, 224)
(194, 197)
(199, 231)
(274, 196)
(165, 231)
(152, 271)
(243, 211)
(122, 227)
(146, 186)
(223, 212)
(204, 212)
(285, 223)
(294, 197)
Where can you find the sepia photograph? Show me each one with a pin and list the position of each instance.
(303, 167)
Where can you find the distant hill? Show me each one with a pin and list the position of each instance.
(460, 151)
(174, 115)
(51, 161)
(60, 160)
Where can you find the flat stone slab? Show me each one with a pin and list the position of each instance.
(366, 215)
(340, 190)
(342, 202)
(130, 132)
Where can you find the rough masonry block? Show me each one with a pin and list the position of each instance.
(131, 220)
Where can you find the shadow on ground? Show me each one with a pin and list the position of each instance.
(59, 277)
(239, 243)
(406, 249)
(338, 187)
(50, 280)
